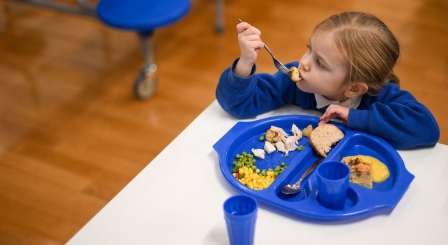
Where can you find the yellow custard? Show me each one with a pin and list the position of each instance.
(380, 172)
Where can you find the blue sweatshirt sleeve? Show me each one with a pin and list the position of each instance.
(397, 117)
(256, 94)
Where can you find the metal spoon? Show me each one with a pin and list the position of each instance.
(290, 189)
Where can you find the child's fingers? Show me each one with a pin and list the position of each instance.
(335, 111)
(250, 42)
(246, 29)
(242, 27)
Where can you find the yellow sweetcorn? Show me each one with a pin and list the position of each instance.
(248, 174)
(255, 181)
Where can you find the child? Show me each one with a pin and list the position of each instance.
(347, 73)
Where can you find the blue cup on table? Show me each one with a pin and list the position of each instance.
(240, 213)
(332, 180)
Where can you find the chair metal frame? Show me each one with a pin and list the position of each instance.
(146, 82)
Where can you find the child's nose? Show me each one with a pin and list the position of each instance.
(304, 65)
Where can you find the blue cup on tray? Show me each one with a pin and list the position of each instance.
(240, 213)
(332, 180)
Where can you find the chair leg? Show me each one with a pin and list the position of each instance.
(146, 44)
(219, 16)
(146, 83)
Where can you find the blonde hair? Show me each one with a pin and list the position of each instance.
(368, 44)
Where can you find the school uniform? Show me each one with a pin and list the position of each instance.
(393, 114)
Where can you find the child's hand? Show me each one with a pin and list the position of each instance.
(335, 111)
(250, 42)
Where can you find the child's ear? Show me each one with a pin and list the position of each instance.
(355, 89)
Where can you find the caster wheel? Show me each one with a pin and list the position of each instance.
(146, 83)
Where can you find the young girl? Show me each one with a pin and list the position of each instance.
(347, 73)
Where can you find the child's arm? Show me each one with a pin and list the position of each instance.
(250, 42)
(245, 97)
(396, 116)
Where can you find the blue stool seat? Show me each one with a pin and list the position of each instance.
(141, 15)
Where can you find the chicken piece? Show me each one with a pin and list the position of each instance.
(278, 130)
(281, 134)
(296, 131)
(291, 143)
(259, 153)
(269, 147)
(281, 147)
(280, 138)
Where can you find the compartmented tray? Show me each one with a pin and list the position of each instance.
(360, 200)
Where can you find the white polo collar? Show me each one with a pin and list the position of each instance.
(321, 102)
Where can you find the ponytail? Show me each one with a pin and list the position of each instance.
(393, 78)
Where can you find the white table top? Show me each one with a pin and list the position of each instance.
(178, 198)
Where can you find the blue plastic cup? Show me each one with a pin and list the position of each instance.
(240, 213)
(332, 179)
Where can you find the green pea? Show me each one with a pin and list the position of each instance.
(283, 164)
(261, 138)
(242, 175)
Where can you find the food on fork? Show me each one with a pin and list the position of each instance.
(294, 74)
(323, 137)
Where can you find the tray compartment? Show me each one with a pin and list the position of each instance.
(294, 174)
(361, 144)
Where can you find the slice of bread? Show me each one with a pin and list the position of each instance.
(323, 137)
(360, 170)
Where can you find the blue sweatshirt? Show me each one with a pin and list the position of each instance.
(394, 114)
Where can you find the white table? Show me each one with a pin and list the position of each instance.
(178, 198)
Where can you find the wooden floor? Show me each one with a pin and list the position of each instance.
(72, 134)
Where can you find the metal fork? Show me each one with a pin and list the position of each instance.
(282, 68)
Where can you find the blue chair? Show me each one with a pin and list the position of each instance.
(143, 16)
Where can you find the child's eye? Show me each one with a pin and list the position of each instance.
(318, 63)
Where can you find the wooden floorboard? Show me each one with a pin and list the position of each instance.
(72, 133)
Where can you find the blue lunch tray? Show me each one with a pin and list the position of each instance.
(360, 201)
